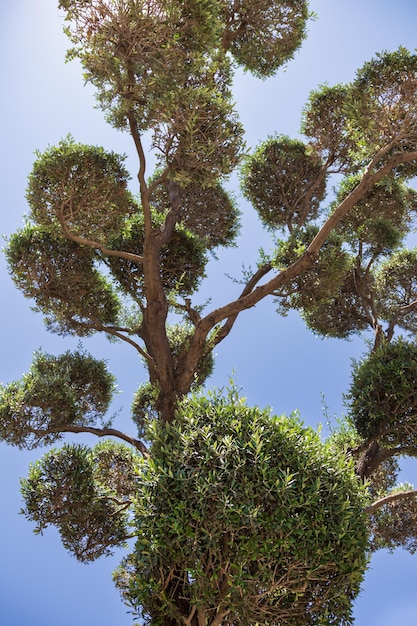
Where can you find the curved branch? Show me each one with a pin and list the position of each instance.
(99, 432)
(250, 285)
(84, 241)
(144, 190)
(299, 266)
(400, 312)
(253, 294)
(400, 495)
(115, 332)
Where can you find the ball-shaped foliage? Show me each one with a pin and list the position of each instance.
(60, 276)
(396, 289)
(84, 493)
(321, 282)
(326, 126)
(244, 514)
(339, 316)
(382, 398)
(72, 389)
(208, 212)
(382, 102)
(379, 220)
(284, 182)
(264, 35)
(83, 186)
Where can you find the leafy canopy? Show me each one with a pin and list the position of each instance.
(240, 517)
(235, 536)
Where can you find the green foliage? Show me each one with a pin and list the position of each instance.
(394, 525)
(263, 522)
(382, 398)
(348, 124)
(157, 66)
(82, 186)
(380, 220)
(85, 494)
(241, 517)
(381, 107)
(318, 284)
(208, 212)
(262, 35)
(326, 126)
(396, 286)
(73, 389)
(143, 407)
(284, 182)
(60, 276)
(182, 259)
(339, 315)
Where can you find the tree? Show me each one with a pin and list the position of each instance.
(83, 220)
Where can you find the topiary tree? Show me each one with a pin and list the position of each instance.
(240, 517)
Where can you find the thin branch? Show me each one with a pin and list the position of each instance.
(299, 266)
(99, 432)
(250, 285)
(115, 333)
(252, 294)
(85, 241)
(144, 190)
(393, 497)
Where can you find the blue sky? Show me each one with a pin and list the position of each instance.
(275, 360)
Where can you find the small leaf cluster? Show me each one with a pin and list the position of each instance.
(73, 389)
(242, 512)
(85, 494)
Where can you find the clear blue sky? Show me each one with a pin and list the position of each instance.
(275, 360)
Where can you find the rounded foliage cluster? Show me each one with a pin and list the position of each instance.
(284, 182)
(83, 186)
(85, 494)
(57, 393)
(396, 287)
(339, 316)
(318, 284)
(380, 219)
(207, 212)
(60, 276)
(382, 398)
(247, 515)
(325, 124)
(382, 100)
(264, 35)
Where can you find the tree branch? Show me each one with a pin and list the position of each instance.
(250, 296)
(85, 241)
(394, 497)
(99, 432)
